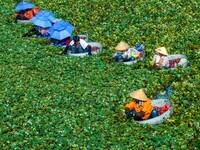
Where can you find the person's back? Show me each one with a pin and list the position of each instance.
(140, 107)
(122, 52)
(78, 45)
(26, 14)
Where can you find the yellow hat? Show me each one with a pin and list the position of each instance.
(139, 95)
(162, 50)
(122, 46)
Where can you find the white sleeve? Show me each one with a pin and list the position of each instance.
(71, 43)
(156, 59)
(165, 62)
(83, 43)
(129, 53)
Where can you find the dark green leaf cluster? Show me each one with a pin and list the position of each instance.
(49, 101)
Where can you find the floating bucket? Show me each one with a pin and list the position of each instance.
(177, 60)
(161, 118)
(96, 47)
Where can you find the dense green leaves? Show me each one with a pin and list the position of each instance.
(49, 101)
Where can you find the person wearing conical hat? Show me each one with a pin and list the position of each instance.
(122, 53)
(140, 107)
(160, 59)
(126, 53)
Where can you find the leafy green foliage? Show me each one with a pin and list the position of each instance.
(49, 101)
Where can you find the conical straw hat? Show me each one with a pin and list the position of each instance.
(122, 46)
(162, 50)
(139, 95)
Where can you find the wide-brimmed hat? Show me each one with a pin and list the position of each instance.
(139, 95)
(122, 46)
(162, 50)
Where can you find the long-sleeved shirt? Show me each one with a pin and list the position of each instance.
(146, 108)
(162, 61)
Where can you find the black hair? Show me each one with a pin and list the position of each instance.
(76, 38)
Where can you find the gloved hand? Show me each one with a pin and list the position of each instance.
(139, 115)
